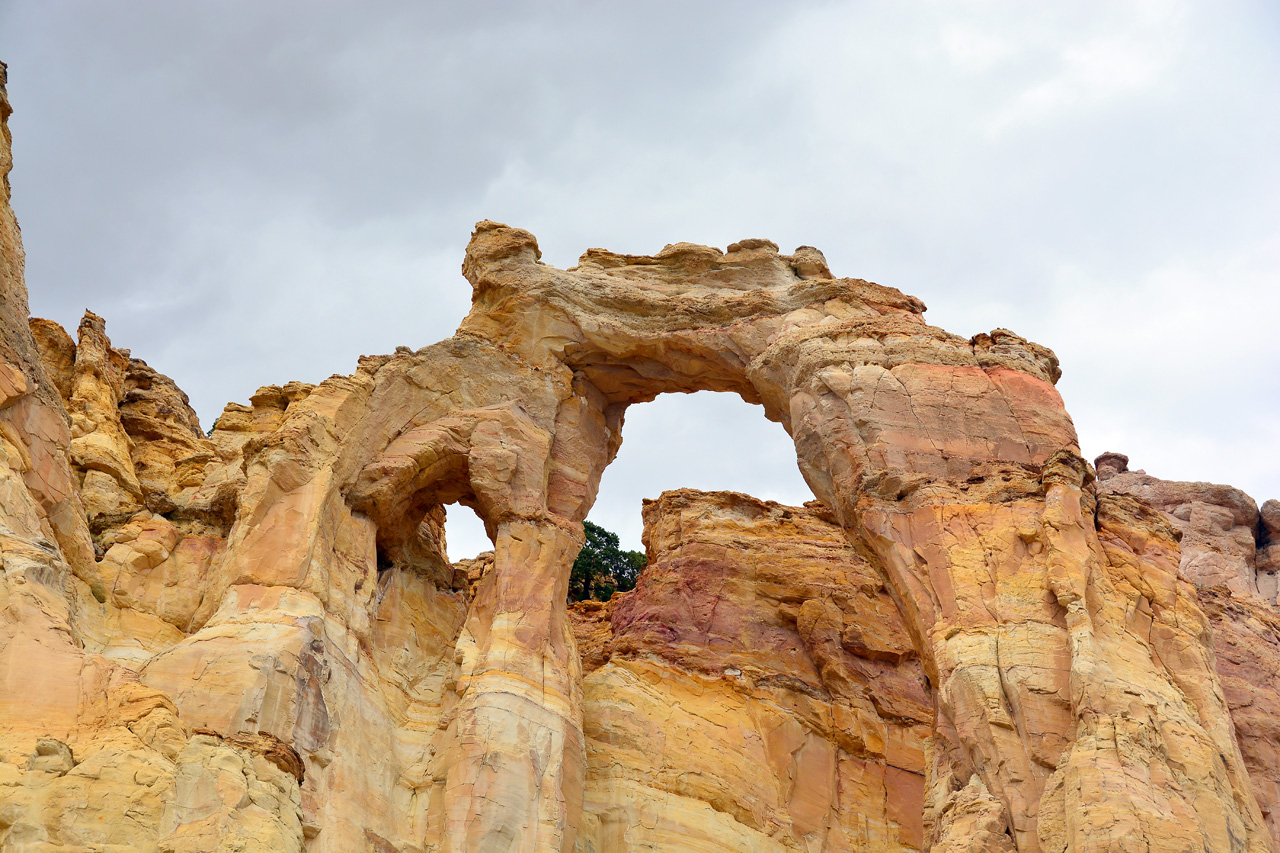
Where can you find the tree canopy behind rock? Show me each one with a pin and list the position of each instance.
(601, 567)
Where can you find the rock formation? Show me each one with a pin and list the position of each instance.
(255, 640)
(758, 691)
(1225, 539)
(1227, 552)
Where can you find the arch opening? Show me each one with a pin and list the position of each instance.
(465, 534)
(416, 537)
(706, 440)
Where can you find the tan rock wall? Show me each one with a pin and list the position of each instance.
(756, 691)
(90, 758)
(1224, 547)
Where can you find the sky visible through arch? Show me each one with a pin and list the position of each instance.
(252, 193)
(710, 441)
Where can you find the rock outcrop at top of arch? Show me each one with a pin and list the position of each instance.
(255, 639)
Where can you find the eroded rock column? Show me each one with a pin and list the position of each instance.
(514, 778)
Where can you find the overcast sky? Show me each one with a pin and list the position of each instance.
(256, 192)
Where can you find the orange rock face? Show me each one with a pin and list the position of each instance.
(757, 691)
(254, 640)
(1225, 545)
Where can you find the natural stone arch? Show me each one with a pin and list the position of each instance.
(1078, 707)
(522, 477)
(952, 461)
(618, 330)
(517, 415)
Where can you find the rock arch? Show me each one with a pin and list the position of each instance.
(950, 462)
(1078, 707)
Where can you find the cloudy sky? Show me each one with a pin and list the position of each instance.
(257, 192)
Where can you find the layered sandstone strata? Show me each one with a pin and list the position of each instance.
(757, 691)
(254, 640)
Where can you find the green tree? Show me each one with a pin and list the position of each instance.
(602, 567)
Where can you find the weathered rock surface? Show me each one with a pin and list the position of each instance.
(1220, 527)
(254, 640)
(757, 691)
(1221, 531)
(1246, 642)
(90, 758)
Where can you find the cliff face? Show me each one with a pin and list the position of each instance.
(757, 691)
(254, 640)
(1229, 551)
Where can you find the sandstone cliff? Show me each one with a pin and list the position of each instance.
(1228, 550)
(90, 757)
(255, 640)
(757, 691)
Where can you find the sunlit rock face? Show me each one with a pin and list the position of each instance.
(254, 639)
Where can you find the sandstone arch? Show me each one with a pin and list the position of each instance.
(1077, 702)
(950, 462)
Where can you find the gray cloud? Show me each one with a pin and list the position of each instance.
(252, 193)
